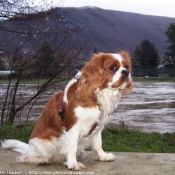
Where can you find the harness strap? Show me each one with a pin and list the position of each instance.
(94, 97)
(93, 128)
(60, 107)
(61, 111)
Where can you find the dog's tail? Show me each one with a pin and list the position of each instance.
(15, 145)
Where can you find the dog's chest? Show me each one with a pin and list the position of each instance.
(108, 100)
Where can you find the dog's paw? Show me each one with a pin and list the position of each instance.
(43, 163)
(106, 157)
(75, 166)
(22, 159)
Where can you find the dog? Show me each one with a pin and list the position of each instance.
(75, 117)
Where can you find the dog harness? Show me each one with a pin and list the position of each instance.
(60, 107)
(62, 114)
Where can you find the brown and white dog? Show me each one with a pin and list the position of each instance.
(75, 118)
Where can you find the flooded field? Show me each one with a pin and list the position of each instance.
(32, 111)
(151, 106)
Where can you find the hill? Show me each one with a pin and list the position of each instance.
(114, 29)
(109, 30)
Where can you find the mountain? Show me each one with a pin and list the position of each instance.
(107, 29)
(112, 30)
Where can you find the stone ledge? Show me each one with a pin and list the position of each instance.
(125, 164)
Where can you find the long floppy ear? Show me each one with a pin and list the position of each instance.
(129, 87)
(92, 77)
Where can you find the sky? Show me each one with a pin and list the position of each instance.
(148, 7)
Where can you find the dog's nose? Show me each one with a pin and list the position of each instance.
(125, 73)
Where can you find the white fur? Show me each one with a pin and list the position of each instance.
(66, 89)
(15, 145)
(70, 83)
(108, 99)
(117, 57)
(78, 75)
(83, 115)
(97, 146)
(117, 75)
(41, 151)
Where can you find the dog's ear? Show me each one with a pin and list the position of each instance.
(126, 57)
(91, 78)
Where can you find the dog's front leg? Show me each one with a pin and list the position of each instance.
(97, 147)
(72, 146)
(72, 160)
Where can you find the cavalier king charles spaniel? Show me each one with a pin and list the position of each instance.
(74, 118)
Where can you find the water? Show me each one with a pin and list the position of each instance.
(32, 111)
(150, 108)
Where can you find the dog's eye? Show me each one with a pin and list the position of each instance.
(126, 67)
(113, 68)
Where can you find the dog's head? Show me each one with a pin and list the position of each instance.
(111, 71)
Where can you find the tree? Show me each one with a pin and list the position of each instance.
(37, 42)
(169, 58)
(136, 60)
(145, 56)
(45, 61)
(95, 50)
(2, 66)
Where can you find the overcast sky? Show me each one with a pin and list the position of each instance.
(148, 7)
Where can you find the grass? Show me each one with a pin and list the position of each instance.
(20, 132)
(125, 140)
(154, 79)
(114, 139)
(164, 75)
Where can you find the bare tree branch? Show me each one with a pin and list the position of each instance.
(54, 47)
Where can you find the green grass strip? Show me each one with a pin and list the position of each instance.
(114, 139)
